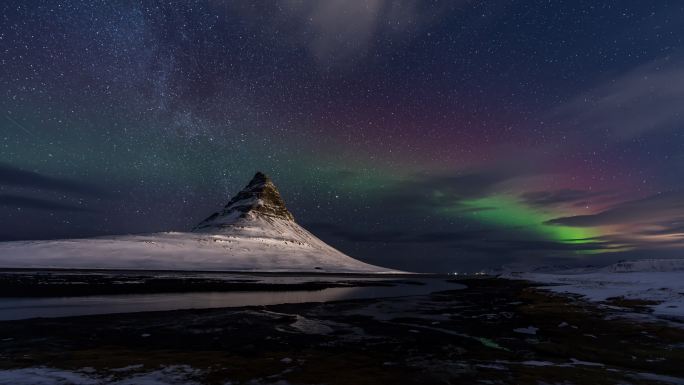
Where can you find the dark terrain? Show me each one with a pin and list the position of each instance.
(452, 337)
(75, 283)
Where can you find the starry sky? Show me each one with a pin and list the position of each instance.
(423, 135)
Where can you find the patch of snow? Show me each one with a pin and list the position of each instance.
(127, 368)
(528, 330)
(45, 376)
(170, 375)
(660, 281)
(538, 363)
(585, 363)
(309, 326)
(660, 378)
(573, 362)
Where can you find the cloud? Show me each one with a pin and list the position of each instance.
(569, 197)
(649, 97)
(654, 208)
(339, 27)
(12, 176)
(335, 32)
(669, 227)
(16, 201)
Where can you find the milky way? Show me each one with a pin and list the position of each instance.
(426, 136)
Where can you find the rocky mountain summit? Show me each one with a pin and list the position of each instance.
(259, 198)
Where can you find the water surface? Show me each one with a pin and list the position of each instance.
(24, 308)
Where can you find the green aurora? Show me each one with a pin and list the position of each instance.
(508, 212)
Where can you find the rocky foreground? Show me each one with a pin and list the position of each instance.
(495, 331)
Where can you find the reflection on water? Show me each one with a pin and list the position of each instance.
(23, 308)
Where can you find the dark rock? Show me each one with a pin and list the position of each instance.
(259, 197)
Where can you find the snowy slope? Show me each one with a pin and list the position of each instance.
(658, 280)
(646, 265)
(186, 251)
(254, 232)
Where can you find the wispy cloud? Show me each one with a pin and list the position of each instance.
(31, 190)
(653, 222)
(565, 197)
(13, 176)
(22, 202)
(655, 208)
(649, 97)
(336, 32)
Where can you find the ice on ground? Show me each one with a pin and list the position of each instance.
(310, 326)
(127, 368)
(45, 376)
(573, 363)
(528, 330)
(169, 375)
(585, 363)
(538, 363)
(660, 378)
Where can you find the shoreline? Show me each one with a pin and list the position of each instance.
(494, 330)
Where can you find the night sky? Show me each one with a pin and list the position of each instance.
(430, 136)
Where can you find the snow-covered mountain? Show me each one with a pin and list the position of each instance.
(254, 232)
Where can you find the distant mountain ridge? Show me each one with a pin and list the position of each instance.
(630, 266)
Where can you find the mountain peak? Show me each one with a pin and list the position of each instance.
(259, 178)
(259, 198)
